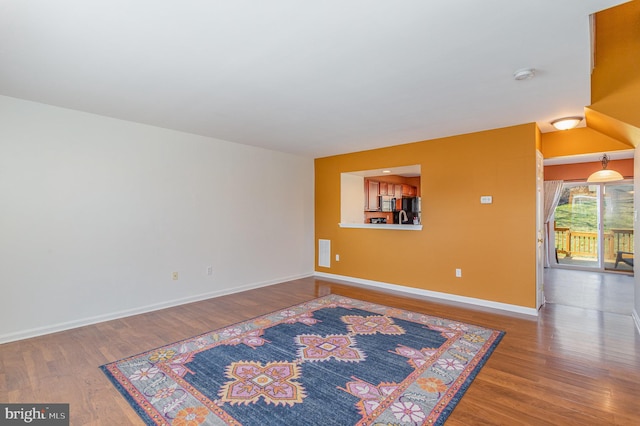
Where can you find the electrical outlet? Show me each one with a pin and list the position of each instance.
(209, 270)
(174, 276)
(458, 272)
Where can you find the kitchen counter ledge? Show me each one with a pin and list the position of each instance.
(388, 226)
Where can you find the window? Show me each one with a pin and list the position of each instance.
(381, 198)
(594, 226)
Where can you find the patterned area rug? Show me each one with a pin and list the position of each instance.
(330, 361)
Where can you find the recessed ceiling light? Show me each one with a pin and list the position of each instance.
(386, 171)
(566, 123)
(524, 74)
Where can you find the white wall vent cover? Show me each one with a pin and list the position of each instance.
(324, 253)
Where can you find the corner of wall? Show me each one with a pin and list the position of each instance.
(636, 319)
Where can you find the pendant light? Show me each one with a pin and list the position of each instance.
(605, 175)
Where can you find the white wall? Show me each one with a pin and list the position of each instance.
(96, 213)
(351, 198)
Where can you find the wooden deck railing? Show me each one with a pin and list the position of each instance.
(585, 244)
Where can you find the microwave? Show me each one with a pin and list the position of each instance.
(387, 203)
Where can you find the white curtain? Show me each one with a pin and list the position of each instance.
(552, 191)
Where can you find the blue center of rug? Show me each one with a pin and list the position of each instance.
(300, 375)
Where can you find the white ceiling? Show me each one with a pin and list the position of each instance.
(314, 78)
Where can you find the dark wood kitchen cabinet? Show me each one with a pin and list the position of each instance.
(409, 191)
(397, 191)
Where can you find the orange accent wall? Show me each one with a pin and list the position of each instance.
(578, 141)
(493, 244)
(616, 58)
(615, 81)
(581, 171)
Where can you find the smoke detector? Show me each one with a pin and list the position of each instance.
(524, 74)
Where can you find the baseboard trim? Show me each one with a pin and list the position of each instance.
(434, 294)
(636, 319)
(55, 328)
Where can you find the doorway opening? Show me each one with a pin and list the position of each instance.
(593, 226)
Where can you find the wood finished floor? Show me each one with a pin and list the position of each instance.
(569, 366)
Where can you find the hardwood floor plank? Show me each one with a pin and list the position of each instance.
(568, 366)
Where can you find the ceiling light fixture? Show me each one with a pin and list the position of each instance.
(524, 74)
(566, 123)
(605, 175)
